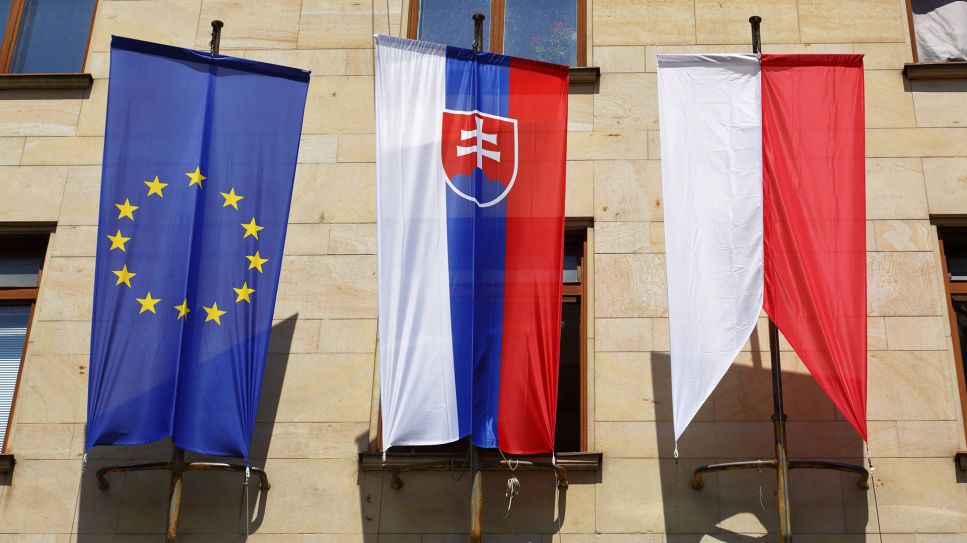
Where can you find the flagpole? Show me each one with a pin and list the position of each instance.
(781, 464)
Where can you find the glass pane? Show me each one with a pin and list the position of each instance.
(4, 13)
(19, 270)
(13, 332)
(53, 36)
(542, 29)
(567, 433)
(957, 265)
(451, 23)
(572, 272)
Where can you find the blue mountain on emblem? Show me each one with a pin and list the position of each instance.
(479, 186)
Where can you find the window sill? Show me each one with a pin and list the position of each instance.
(490, 460)
(6, 463)
(961, 459)
(584, 80)
(45, 81)
(935, 70)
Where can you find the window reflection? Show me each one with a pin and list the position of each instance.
(53, 36)
(541, 29)
(451, 23)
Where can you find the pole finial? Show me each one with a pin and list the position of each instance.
(478, 19)
(216, 36)
(755, 21)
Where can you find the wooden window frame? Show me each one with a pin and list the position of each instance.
(23, 296)
(497, 26)
(929, 70)
(12, 31)
(952, 288)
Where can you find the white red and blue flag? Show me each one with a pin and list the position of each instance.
(471, 152)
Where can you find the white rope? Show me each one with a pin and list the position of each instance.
(513, 483)
(876, 505)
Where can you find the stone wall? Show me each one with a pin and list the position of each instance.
(320, 405)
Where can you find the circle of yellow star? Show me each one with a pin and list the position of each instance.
(124, 276)
(196, 177)
(183, 310)
(214, 314)
(148, 303)
(243, 293)
(252, 229)
(118, 241)
(231, 199)
(256, 261)
(154, 187)
(126, 209)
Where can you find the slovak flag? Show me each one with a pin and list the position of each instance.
(763, 180)
(471, 152)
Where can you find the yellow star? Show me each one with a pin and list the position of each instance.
(148, 303)
(118, 241)
(243, 293)
(126, 209)
(154, 187)
(196, 177)
(252, 229)
(214, 314)
(256, 261)
(124, 276)
(231, 199)
(183, 310)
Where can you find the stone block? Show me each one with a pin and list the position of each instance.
(318, 61)
(623, 237)
(888, 284)
(318, 149)
(338, 505)
(427, 504)
(613, 538)
(536, 509)
(894, 189)
(911, 385)
(917, 333)
(654, 145)
(630, 286)
(94, 110)
(580, 112)
(359, 62)
(251, 27)
(67, 289)
(10, 151)
(626, 439)
(53, 389)
(307, 239)
(311, 440)
(352, 239)
(728, 22)
(58, 151)
(322, 388)
(326, 287)
(916, 142)
(643, 22)
(163, 21)
(884, 56)
(929, 438)
(357, 148)
(829, 21)
(334, 193)
(293, 335)
(627, 190)
(629, 387)
(82, 196)
(347, 103)
(876, 334)
(619, 59)
(607, 145)
(59, 337)
(630, 497)
(41, 496)
(623, 335)
(41, 441)
(40, 113)
(904, 235)
(348, 336)
(940, 102)
(626, 102)
(328, 24)
(579, 189)
(74, 241)
(31, 193)
(888, 104)
(946, 181)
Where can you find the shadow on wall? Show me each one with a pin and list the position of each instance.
(734, 425)
(213, 506)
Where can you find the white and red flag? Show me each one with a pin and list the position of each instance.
(763, 177)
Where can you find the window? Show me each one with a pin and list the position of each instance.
(45, 36)
(953, 253)
(549, 30)
(21, 263)
(937, 30)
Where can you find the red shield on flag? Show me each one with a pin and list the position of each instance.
(479, 153)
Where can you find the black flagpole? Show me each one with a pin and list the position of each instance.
(781, 464)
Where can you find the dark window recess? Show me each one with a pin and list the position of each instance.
(567, 433)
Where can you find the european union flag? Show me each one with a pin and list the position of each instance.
(199, 161)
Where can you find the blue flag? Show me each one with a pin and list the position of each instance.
(199, 161)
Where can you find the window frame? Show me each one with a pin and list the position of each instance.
(929, 70)
(951, 289)
(12, 30)
(22, 296)
(497, 28)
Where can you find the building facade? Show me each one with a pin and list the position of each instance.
(320, 406)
